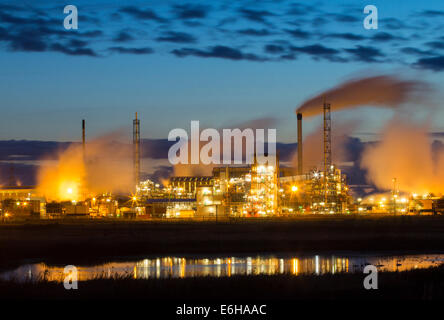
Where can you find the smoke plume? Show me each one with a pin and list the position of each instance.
(105, 167)
(313, 145)
(379, 91)
(405, 153)
(206, 170)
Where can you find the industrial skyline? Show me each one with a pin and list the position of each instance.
(221, 158)
(177, 62)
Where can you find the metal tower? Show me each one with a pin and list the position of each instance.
(327, 149)
(327, 137)
(136, 149)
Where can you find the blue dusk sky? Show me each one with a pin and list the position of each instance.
(221, 62)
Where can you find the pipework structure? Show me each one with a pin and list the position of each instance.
(136, 150)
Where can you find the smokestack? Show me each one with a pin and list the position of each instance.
(299, 143)
(136, 149)
(83, 136)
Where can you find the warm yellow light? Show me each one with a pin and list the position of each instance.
(134, 198)
(294, 188)
(69, 191)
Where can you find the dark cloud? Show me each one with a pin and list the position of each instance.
(297, 33)
(272, 48)
(416, 51)
(7, 7)
(177, 37)
(315, 49)
(87, 34)
(225, 21)
(145, 50)
(222, 52)
(31, 34)
(288, 56)
(435, 44)
(365, 54)
(66, 49)
(256, 15)
(432, 13)
(391, 23)
(190, 11)
(192, 23)
(255, 32)
(299, 9)
(123, 37)
(385, 36)
(29, 41)
(27, 21)
(319, 21)
(435, 63)
(142, 14)
(345, 36)
(345, 17)
(318, 51)
(78, 43)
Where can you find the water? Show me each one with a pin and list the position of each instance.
(182, 267)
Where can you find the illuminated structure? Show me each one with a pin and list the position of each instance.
(136, 149)
(262, 198)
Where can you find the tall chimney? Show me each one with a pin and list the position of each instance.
(83, 136)
(299, 143)
(84, 180)
(136, 149)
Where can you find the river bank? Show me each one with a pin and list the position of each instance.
(93, 241)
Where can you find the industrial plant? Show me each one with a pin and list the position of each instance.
(231, 191)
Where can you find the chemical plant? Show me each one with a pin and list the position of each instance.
(254, 190)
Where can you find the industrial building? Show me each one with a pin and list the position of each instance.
(262, 189)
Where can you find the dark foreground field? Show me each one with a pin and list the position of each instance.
(94, 241)
(417, 284)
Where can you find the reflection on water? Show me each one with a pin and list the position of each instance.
(180, 267)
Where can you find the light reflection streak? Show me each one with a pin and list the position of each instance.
(180, 267)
